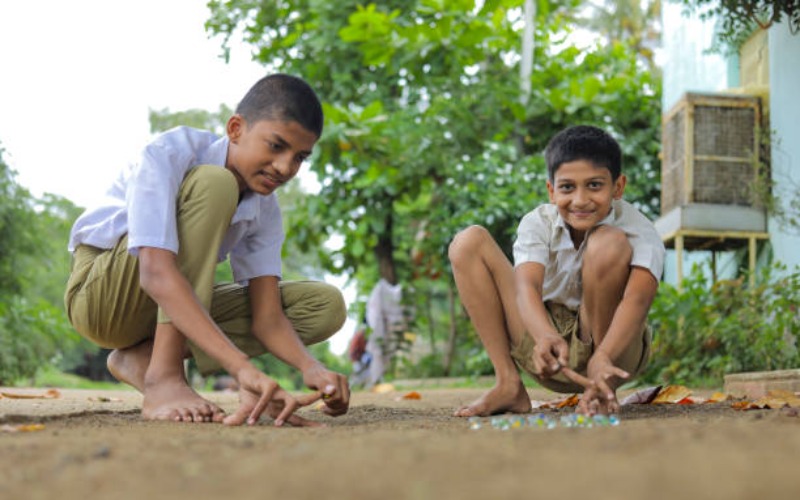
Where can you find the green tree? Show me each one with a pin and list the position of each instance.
(164, 119)
(34, 264)
(17, 230)
(425, 130)
(740, 17)
(635, 22)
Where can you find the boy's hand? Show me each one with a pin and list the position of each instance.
(550, 354)
(257, 393)
(601, 396)
(333, 389)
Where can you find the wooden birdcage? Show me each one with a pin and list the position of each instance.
(710, 145)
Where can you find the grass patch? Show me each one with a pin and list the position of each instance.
(53, 377)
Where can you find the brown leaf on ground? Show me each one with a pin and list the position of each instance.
(412, 395)
(774, 400)
(382, 388)
(568, 402)
(778, 399)
(672, 394)
(718, 397)
(22, 428)
(50, 394)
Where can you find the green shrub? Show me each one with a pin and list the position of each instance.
(31, 336)
(702, 333)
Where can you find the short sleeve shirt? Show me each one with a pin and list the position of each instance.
(544, 237)
(142, 204)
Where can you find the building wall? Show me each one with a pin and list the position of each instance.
(687, 66)
(784, 78)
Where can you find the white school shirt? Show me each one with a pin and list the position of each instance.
(142, 203)
(543, 237)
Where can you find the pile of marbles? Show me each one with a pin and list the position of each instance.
(542, 421)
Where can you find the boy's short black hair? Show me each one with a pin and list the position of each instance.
(583, 142)
(284, 98)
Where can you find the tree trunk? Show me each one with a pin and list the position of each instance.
(384, 252)
(450, 350)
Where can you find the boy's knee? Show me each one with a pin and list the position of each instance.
(465, 242)
(335, 308)
(215, 185)
(318, 310)
(606, 247)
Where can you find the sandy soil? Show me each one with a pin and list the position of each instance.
(388, 448)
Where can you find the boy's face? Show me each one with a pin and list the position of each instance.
(266, 154)
(583, 192)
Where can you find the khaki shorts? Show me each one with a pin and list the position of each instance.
(633, 360)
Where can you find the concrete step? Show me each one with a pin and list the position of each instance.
(757, 384)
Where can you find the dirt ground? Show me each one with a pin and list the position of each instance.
(93, 445)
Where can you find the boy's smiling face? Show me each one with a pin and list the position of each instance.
(583, 193)
(266, 154)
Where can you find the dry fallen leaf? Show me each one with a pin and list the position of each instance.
(672, 394)
(50, 394)
(774, 400)
(383, 388)
(22, 428)
(105, 399)
(642, 396)
(718, 397)
(412, 395)
(568, 402)
(741, 405)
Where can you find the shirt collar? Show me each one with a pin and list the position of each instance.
(562, 231)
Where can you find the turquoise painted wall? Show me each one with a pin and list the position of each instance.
(784, 80)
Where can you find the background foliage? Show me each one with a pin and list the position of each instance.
(427, 131)
(703, 332)
(34, 265)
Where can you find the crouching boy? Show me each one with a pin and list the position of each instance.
(142, 280)
(572, 310)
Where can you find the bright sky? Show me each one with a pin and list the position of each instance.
(80, 76)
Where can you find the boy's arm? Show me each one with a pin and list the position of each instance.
(551, 351)
(161, 279)
(276, 333)
(628, 321)
(631, 313)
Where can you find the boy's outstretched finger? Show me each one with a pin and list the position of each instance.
(261, 405)
(289, 406)
(307, 399)
(236, 418)
(576, 377)
(298, 421)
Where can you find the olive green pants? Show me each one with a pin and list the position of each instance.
(106, 304)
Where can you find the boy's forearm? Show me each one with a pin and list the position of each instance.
(625, 327)
(530, 304)
(281, 340)
(165, 284)
(631, 314)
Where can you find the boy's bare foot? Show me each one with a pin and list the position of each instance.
(169, 399)
(172, 399)
(129, 365)
(499, 399)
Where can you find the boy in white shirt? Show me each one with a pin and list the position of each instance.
(572, 311)
(142, 281)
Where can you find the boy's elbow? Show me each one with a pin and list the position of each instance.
(154, 273)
